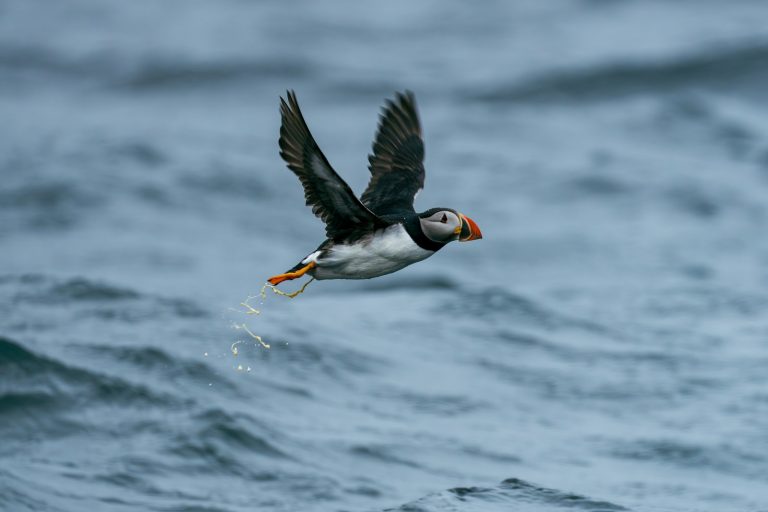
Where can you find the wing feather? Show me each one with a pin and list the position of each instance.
(331, 199)
(397, 162)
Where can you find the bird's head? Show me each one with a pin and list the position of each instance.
(446, 225)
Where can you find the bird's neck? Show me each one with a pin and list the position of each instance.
(413, 228)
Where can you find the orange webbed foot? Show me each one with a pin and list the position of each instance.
(275, 280)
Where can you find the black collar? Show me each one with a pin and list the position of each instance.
(413, 227)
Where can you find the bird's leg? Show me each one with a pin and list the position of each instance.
(291, 295)
(275, 280)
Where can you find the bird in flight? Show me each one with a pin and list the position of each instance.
(379, 233)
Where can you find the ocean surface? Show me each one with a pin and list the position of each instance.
(603, 348)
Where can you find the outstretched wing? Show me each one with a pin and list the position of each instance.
(329, 196)
(397, 162)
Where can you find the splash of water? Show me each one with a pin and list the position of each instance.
(250, 310)
(291, 295)
(256, 337)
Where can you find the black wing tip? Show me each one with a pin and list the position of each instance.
(403, 107)
(405, 100)
(406, 96)
(290, 94)
(398, 119)
(293, 124)
(287, 103)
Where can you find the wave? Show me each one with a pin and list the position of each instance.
(50, 196)
(47, 289)
(314, 358)
(35, 386)
(443, 405)
(15, 494)
(96, 298)
(29, 58)
(13, 402)
(170, 72)
(711, 70)
(47, 206)
(222, 443)
(156, 72)
(725, 457)
(158, 362)
(383, 454)
(704, 301)
(510, 492)
(227, 181)
(41, 288)
(490, 302)
(232, 430)
(417, 283)
(80, 289)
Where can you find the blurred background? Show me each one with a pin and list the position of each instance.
(604, 347)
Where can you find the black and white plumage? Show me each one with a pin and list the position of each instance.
(381, 232)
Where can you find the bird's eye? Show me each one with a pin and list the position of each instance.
(444, 219)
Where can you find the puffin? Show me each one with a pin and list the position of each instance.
(380, 232)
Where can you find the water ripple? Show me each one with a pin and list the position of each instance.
(727, 70)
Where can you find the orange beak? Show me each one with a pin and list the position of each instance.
(469, 230)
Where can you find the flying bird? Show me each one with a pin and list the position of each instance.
(379, 233)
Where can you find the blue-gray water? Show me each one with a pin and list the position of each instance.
(603, 348)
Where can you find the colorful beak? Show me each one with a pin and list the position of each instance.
(469, 230)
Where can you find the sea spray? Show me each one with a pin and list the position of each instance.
(250, 310)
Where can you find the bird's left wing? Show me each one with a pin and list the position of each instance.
(329, 196)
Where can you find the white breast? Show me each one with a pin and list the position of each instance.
(385, 252)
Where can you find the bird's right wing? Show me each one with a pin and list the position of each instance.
(397, 162)
(329, 196)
